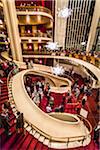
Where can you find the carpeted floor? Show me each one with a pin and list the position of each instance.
(27, 141)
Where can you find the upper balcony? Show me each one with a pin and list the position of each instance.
(34, 11)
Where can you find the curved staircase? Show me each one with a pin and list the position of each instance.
(32, 140)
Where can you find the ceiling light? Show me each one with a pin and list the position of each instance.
(64, 13)
(83, 43)
(57, 70)
(30, 47)
(52, 46)
(27, 18)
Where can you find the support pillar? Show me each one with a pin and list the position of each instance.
(12, 26)
(60, 23)
(95, 19)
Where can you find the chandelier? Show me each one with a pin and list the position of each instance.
(57, 70)
(64, 13)
(83, 43)
(52, 46)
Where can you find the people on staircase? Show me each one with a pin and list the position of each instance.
(1, 82)
(97, 134)
(19, 122)
(4, 118)
(5, 124)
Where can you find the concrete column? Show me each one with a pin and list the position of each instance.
(60, 23)
(12, 26)
(7, 19)
(95, 19)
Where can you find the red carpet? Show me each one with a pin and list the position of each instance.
(28, 142)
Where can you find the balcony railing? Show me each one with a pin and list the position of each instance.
(33, 8)
(36, 34)
(91, 59)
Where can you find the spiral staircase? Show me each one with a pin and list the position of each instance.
(33, 139)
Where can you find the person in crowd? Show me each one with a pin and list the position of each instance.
(29, 66)
(1, 82)
(40, 93)
(5, 67)
(31, 63)
(69, 100)
(56, 109)
(75, 85)
(4, 116)
(2, 73)
(19, 122)
(77, 92)
(37, 98)
(26, 61)
(5, 110)
(61, 107)
(48, 108)
(43, 83)
(5, 124)
(28, 90)
(85, 89)
(51, 100)
(84, 99)
(81, 88)
(37, 87)
(97, 134)
(71, 71)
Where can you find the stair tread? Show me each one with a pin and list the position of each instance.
(46, 142)
(41, 138)
(26, 142)
(33, 144)
(36, 135)
(39, 146)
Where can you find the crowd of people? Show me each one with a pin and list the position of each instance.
(6, 67)
(5, 115)
(39, 90)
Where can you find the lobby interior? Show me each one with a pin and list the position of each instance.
(50, 72)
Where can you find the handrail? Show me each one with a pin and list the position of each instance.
(56, 138)
(35, 35)
(61, 138)
(34, 8)
(95, 70)
(79, 56)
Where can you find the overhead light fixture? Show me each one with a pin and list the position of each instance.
(83, 43)
(64, 13)
(27, 18)
(52, 46)
(28, 31)
(30, 47)
(57, 70)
